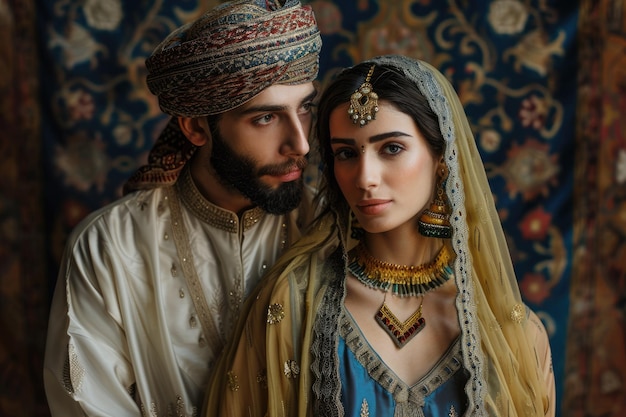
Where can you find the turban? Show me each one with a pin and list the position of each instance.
(231, 54)
(219, 62)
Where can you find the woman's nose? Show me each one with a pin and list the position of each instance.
(368, 171)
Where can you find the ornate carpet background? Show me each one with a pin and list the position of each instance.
(543, 83)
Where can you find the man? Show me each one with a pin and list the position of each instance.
(151, 285)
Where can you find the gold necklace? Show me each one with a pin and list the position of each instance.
(403, 281)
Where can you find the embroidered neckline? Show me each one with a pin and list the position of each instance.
(209, 212)
(439, 374)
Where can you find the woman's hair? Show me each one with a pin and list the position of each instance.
(392, 87)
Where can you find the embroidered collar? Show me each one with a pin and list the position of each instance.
(209, 212)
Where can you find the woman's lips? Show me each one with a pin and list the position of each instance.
(372, 207)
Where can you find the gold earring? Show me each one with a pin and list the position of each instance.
(364, 102)
(435, 221)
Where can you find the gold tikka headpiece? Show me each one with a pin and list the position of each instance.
(364, 102)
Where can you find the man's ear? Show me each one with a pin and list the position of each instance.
(195, 130)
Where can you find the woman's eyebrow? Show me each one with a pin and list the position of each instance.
(383, 136)
(372, 139)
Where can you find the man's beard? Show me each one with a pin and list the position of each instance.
(240, 172)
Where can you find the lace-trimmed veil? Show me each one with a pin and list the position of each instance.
(489, 304)
(496, 350)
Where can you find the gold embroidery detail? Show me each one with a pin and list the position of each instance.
(365, 409)
(173, 410)
(283, 241)
(499, 404)
(132, 391)
(194, 286)
(73, 372)
(210, 213)
(236, 298)
(233, 381)
(517, 314)
(275, 313)
(292, 370)
(495, 325)
(153, 410)
(261, 378)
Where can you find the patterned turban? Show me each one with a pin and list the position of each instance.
(219, 62)
(231, 54)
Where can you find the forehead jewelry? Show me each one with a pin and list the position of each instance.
(364, 102)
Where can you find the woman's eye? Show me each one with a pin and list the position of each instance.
(393, 149)
(343, 154)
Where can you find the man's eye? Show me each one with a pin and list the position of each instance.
(309, 106)
(265, 119)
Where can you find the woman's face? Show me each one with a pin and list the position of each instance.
(385, 169)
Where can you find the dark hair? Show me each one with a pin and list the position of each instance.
(391, 86)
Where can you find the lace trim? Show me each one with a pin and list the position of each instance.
(442, 371)
(325, 363)
(209, 212)
(473, 356)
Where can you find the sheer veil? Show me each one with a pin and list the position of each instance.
(490, 309)
(507, 376)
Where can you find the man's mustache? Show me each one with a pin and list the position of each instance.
(284, 168)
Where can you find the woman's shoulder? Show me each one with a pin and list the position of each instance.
(321, 266)
(535, 328)
(538, 336)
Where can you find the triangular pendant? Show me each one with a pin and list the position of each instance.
(400, 332)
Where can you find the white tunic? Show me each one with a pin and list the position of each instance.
(148, 292)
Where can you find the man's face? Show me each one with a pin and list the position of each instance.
(259, 148)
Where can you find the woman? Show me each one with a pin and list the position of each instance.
(403, 300)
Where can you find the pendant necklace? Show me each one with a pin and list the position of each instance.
(402, 281)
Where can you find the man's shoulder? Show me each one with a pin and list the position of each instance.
(119, 215)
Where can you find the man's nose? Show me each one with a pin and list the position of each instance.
(297, 137)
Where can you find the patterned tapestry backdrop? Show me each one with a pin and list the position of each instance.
(543, 83)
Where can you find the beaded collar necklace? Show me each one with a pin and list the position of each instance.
(402, 280)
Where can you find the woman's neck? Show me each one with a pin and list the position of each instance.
(402, 247)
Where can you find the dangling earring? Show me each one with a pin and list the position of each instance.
(357, 231)
(435, 221)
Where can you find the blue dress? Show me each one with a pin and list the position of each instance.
(370, 389)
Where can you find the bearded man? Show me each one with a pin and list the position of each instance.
(151, 285)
